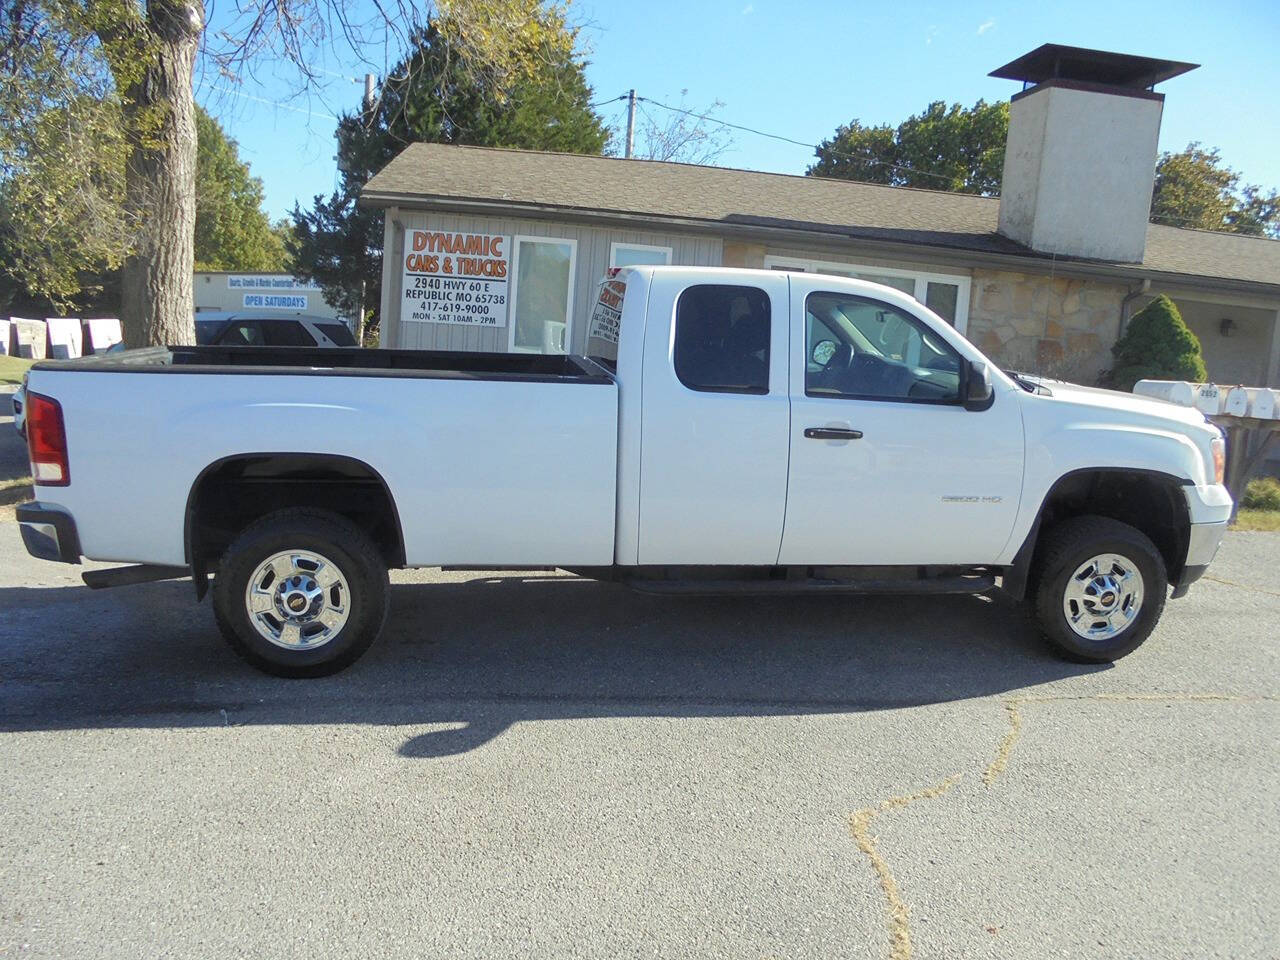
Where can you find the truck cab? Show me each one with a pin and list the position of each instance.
(828, 420)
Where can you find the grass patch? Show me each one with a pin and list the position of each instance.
(15, 490)
(1268, 520)
(12, 369)
(1261, 493)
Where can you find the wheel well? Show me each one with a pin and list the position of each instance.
(1151, 502)
(233, 492)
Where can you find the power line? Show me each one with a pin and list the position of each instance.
(601, 103)
(868, 160)
(799, 143)
(271, 103)
(726, 123)
(332, 73)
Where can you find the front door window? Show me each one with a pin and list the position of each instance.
(859, 347)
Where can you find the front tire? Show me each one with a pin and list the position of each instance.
(301, 593)
(1101, 587)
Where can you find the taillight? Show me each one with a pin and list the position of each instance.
(1219, 448)
(47, 441)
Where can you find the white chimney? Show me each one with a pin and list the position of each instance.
(1079, 164)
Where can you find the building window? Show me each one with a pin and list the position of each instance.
(945, 294)
(722, 338)
(542, 297)
(638, 255)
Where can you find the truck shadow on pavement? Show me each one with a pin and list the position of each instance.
(479, 656)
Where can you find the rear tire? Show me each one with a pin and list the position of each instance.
(301, 593)
(1100, 588)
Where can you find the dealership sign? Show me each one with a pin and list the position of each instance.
(456, 278)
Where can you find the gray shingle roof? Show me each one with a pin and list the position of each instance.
(426, 174)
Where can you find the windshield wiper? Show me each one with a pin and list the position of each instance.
(1026, 383)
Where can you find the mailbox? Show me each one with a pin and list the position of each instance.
(1175, 391)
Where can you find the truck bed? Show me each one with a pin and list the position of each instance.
(491, 458)
(346, 361)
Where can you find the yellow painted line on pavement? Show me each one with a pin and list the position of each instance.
(860, 827)
(1241, 586)
(860, 821)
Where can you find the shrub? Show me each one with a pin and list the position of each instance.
(1157, 346)
(1262, 493)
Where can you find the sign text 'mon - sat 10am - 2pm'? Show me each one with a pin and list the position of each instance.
(458, 278)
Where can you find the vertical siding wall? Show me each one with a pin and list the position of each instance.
(589, 269)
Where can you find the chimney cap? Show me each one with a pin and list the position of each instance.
(1056, 61)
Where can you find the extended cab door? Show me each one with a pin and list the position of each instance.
(713, 461)
(887, 467)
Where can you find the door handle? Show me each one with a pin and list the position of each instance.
(832, 433)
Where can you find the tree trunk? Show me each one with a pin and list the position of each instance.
(160, 192)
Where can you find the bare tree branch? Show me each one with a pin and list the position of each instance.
(681, 135)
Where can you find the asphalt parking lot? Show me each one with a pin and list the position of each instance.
(546, 767)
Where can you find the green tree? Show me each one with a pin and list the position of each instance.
(62, 220)
(232, 231)
(144, 54)
(1157, 345)
(943, 148)
(63, 226)
(62, 157)
(1194, 188)
(430, 97)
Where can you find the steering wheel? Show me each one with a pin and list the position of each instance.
(836, 371)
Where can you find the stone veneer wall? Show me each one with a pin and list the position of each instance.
(1056, 326)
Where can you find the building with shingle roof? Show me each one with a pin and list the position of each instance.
(1042, 278)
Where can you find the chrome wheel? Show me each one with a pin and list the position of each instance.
(1103, 596)
(298, 600)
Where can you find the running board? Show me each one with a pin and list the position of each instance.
(138, 573)
(738, 588)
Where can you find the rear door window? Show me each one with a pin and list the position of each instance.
(722, 338)
(286, 333)
(338, 333)
(243, 333)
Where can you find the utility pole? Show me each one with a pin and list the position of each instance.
(631, 123)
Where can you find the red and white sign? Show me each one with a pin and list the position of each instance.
(606, 317)
(459, 278)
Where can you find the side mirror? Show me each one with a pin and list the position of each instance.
(823, 351)
(978, 392)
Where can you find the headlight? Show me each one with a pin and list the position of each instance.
(1218, 447)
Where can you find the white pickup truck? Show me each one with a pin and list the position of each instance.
(730, 431)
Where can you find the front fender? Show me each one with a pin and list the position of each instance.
(1057, 454)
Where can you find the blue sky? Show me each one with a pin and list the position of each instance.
(801, 69)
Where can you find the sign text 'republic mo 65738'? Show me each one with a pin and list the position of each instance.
(455, 277)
